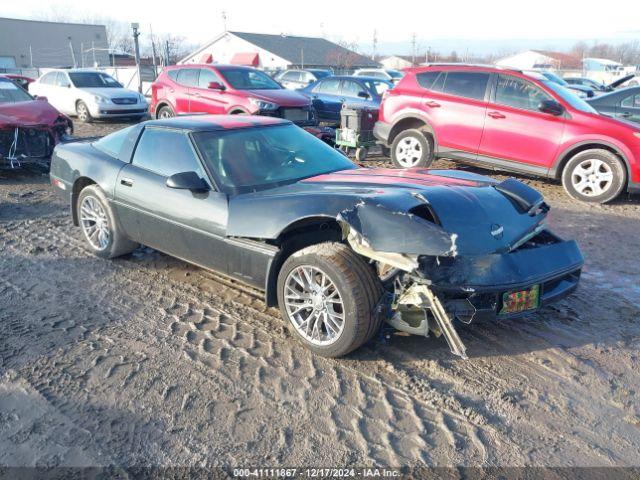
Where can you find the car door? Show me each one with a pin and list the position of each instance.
(55, 93)
(455, 105)
(187, 79)
(516, 131)
(66, 93)
(351, 91)
(207, 100)
(41, 87)
(327, 99)
(189, 225)
(629, 108)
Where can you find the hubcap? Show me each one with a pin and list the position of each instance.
(82, 112)
(592, 177)
(314, 305)
(94, 223)
(166, 113)
(408, 152)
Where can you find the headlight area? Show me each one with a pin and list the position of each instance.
(100, 100)
(427, 293)
(263, 105)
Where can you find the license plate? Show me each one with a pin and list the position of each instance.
(295, 115)
(521, 301)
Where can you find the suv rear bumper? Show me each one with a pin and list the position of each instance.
(382, 130)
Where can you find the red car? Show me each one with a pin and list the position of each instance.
(505, 119)
(226, 89)
(19, 79)
(29, 127)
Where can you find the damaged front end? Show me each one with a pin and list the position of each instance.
(22, 145)
(435, 276)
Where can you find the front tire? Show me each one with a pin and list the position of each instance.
(83, 113)
(99, 225)
(165, 112)
(328, 295)
(594, 176)
(411, 148)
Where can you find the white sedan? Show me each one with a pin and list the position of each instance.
(89, 94)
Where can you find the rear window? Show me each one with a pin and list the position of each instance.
(112, 144)
(11, 93)
(466, 84)
(427, 79)
(188, 77)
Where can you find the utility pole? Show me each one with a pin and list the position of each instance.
(136, 44)
(31, 56)
(375, 44)
(73, 55)
(153, 49)
(93, 51)
(82, 52)
(166, 53)
(224, 20)
(413, 48)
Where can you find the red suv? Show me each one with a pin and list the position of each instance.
(226, 89)
(505, 119)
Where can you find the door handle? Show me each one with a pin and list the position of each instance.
(127, 182)
(496, 115)
(432, 104)
(196, 94)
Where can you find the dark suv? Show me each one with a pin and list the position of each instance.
(506, 119)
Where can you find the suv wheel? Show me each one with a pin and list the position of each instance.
(411, 148)
(328, 295)
(594, 176)
(165, 112)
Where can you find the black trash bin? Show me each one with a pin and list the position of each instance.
(356, 129)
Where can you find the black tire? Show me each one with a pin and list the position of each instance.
(361, 154)
(83, 113)
(386, 151)
(602, 162)
(165, 112)
(118, 244)
(357, 285)
(421, 149)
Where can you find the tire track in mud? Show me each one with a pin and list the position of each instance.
(382, 404)
(239, 342)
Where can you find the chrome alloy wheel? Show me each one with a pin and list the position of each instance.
(95, 224)
(408, 152)
(83, 112)
(314, 305)
(592, 177)
(165, 113)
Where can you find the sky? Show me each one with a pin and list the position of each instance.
(463, 25)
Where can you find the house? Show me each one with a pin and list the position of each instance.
(541, 59)
(277, 52)
(34, 44)
(397, 62)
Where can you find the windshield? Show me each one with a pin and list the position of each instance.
(320, 73)
(249, 159)
(245, 79)
(570, 97)
(378, 86)
(93, 80)
(11, 93)
(554, 78)
(395, 74)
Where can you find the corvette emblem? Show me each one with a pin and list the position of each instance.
(497, 231)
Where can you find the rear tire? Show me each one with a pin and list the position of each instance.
(99, 225)
(411, 148)
(594, 176)
(355, 291)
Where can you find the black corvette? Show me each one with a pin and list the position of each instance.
(339, 248)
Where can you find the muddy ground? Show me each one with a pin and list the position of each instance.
(146, 360)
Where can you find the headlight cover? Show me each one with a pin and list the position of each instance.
(262, 105)
(100, 100)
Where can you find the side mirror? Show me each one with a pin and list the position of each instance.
(187, 181)
(215, 86)
(552, 107)
(364, 95)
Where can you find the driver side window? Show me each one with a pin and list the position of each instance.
(518, 93)
(166, 152)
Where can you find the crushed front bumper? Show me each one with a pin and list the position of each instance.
(31, 144)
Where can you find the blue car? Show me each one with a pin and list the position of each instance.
(329, 94)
